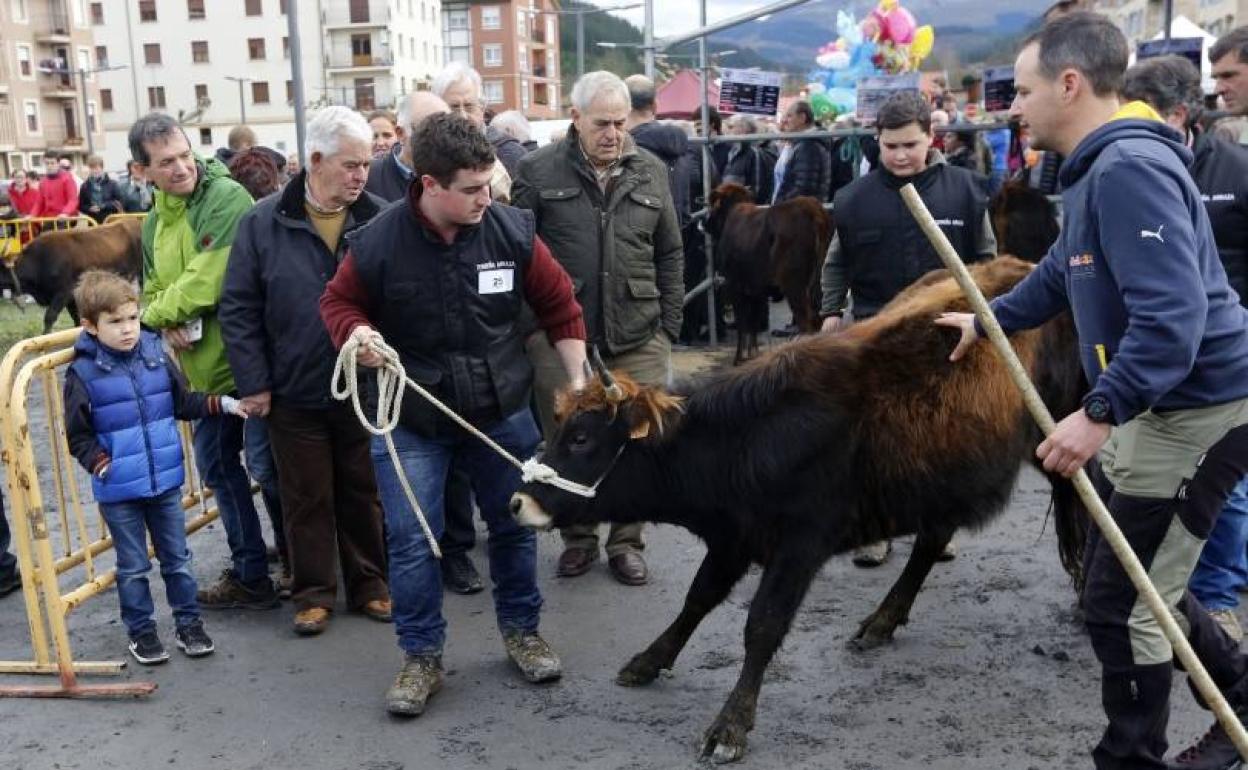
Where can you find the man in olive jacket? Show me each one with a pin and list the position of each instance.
(605, 209)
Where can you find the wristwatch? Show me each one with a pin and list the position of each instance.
(1097, 408)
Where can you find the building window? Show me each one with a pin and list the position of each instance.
(281, 6)
(459, 19)
(260, 92)
(84, 62)
(361, 50)
(491, 17)
(205, 137)
(524, 94)
(550, 31)
(199, 51)
(522, 28)
(524, 58)
(285, 48)
(24, 67)
(492, 55)
(358, 11)
(493, 91)
(91, 123)
(106, 99)
(201, 93)
(365, 94)
(19, 10)
(253, 8)
(101, 56)
(156, 97)
(151, 53)
(147, 10)
(290, 92)
(32, 116)
(195, 10)
(255, 48)
(97, 13)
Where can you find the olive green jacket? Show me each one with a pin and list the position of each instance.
(622, 249)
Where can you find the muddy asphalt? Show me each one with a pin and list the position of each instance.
(993, 672)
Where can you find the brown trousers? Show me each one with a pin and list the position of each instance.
(650, 364)
(329, 498)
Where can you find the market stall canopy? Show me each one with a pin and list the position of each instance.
(681, 99)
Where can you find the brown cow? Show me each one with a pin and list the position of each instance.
(49, 266)
(1023, 221)
(758, 247)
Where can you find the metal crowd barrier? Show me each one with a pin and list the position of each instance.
(16, 233)
(57, 543)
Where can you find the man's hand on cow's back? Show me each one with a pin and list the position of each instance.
(258, 404)
(176, 338)
(1072, 443)
(832, 324)
(965, 322)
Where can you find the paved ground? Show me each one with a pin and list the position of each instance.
(993, 672)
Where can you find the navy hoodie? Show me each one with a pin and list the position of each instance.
(1159, 327)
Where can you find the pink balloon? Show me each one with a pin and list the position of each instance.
(899, 26)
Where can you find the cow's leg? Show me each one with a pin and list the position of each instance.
(894, 611)
(779, 594)
(58, 303)
(720, 571)
(72, 307)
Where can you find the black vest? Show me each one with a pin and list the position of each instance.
(451, 311)
(885, 250)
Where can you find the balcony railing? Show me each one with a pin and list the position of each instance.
(340, 14)
(341, 62)
(51, 26)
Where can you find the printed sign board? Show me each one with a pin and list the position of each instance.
(874, 91)
(752, 92)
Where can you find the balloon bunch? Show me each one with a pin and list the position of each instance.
(887, 42)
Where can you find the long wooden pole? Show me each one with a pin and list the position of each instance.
(1100, 514)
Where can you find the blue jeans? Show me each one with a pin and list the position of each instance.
(259, 455)
(129, 522)
(8, 562)
(218, 445)
(415, 576)
(1223, 565)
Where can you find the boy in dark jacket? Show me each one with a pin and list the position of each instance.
(99, 195)
(123, 397)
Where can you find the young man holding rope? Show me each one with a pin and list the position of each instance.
(444, 278)
(1164, 345)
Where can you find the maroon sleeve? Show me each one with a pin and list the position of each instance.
(548, 290)
(344, 303)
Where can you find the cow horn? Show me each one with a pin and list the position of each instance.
(615, 394)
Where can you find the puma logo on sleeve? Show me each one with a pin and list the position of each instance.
(1146, 234)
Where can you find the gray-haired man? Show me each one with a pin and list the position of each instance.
(604, 208)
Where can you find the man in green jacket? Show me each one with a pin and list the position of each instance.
(605, 209)
(186, 243)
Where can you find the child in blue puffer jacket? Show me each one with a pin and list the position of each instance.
(123, 398)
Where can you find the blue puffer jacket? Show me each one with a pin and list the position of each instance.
(131, 399)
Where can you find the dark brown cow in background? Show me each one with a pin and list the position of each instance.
(49, 266)
(1024, 222)
(758, 247)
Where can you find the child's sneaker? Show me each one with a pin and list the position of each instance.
(147, 649)
(193, 640)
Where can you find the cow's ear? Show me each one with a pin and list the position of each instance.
(652, 412)
(640, 430)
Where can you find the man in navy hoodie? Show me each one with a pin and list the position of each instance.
(1164, 345)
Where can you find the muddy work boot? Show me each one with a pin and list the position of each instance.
(1227, 621)
(420, 677)
(230, 593)
(873, 555)
(533, 656)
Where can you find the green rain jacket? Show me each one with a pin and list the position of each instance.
(186, 243)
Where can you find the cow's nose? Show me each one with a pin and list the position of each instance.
(516, 505)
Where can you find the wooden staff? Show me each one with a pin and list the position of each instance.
(1100, 514)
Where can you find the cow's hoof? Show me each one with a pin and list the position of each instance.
(871, 634)
(639, 671)
(724, 742)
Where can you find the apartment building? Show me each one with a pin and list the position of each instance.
(1217, 17)
(376, 51)
(214, 64)
(514, 45)
(41, 104)
(1144, 19)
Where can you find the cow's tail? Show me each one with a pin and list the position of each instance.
(1071, 521)
(17, 286)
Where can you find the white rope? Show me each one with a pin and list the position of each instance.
(391, 378)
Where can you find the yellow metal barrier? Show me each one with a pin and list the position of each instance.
(65, 551)
(16, 233)
(108, 220)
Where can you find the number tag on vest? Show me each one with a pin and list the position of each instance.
(495, 281)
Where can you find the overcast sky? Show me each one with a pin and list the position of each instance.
(678, 16)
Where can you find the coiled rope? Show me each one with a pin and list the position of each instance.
(391, 381)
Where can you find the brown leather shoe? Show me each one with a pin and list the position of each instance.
(575, 561)
(629, 568)
(311, 621)
(379, 609)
